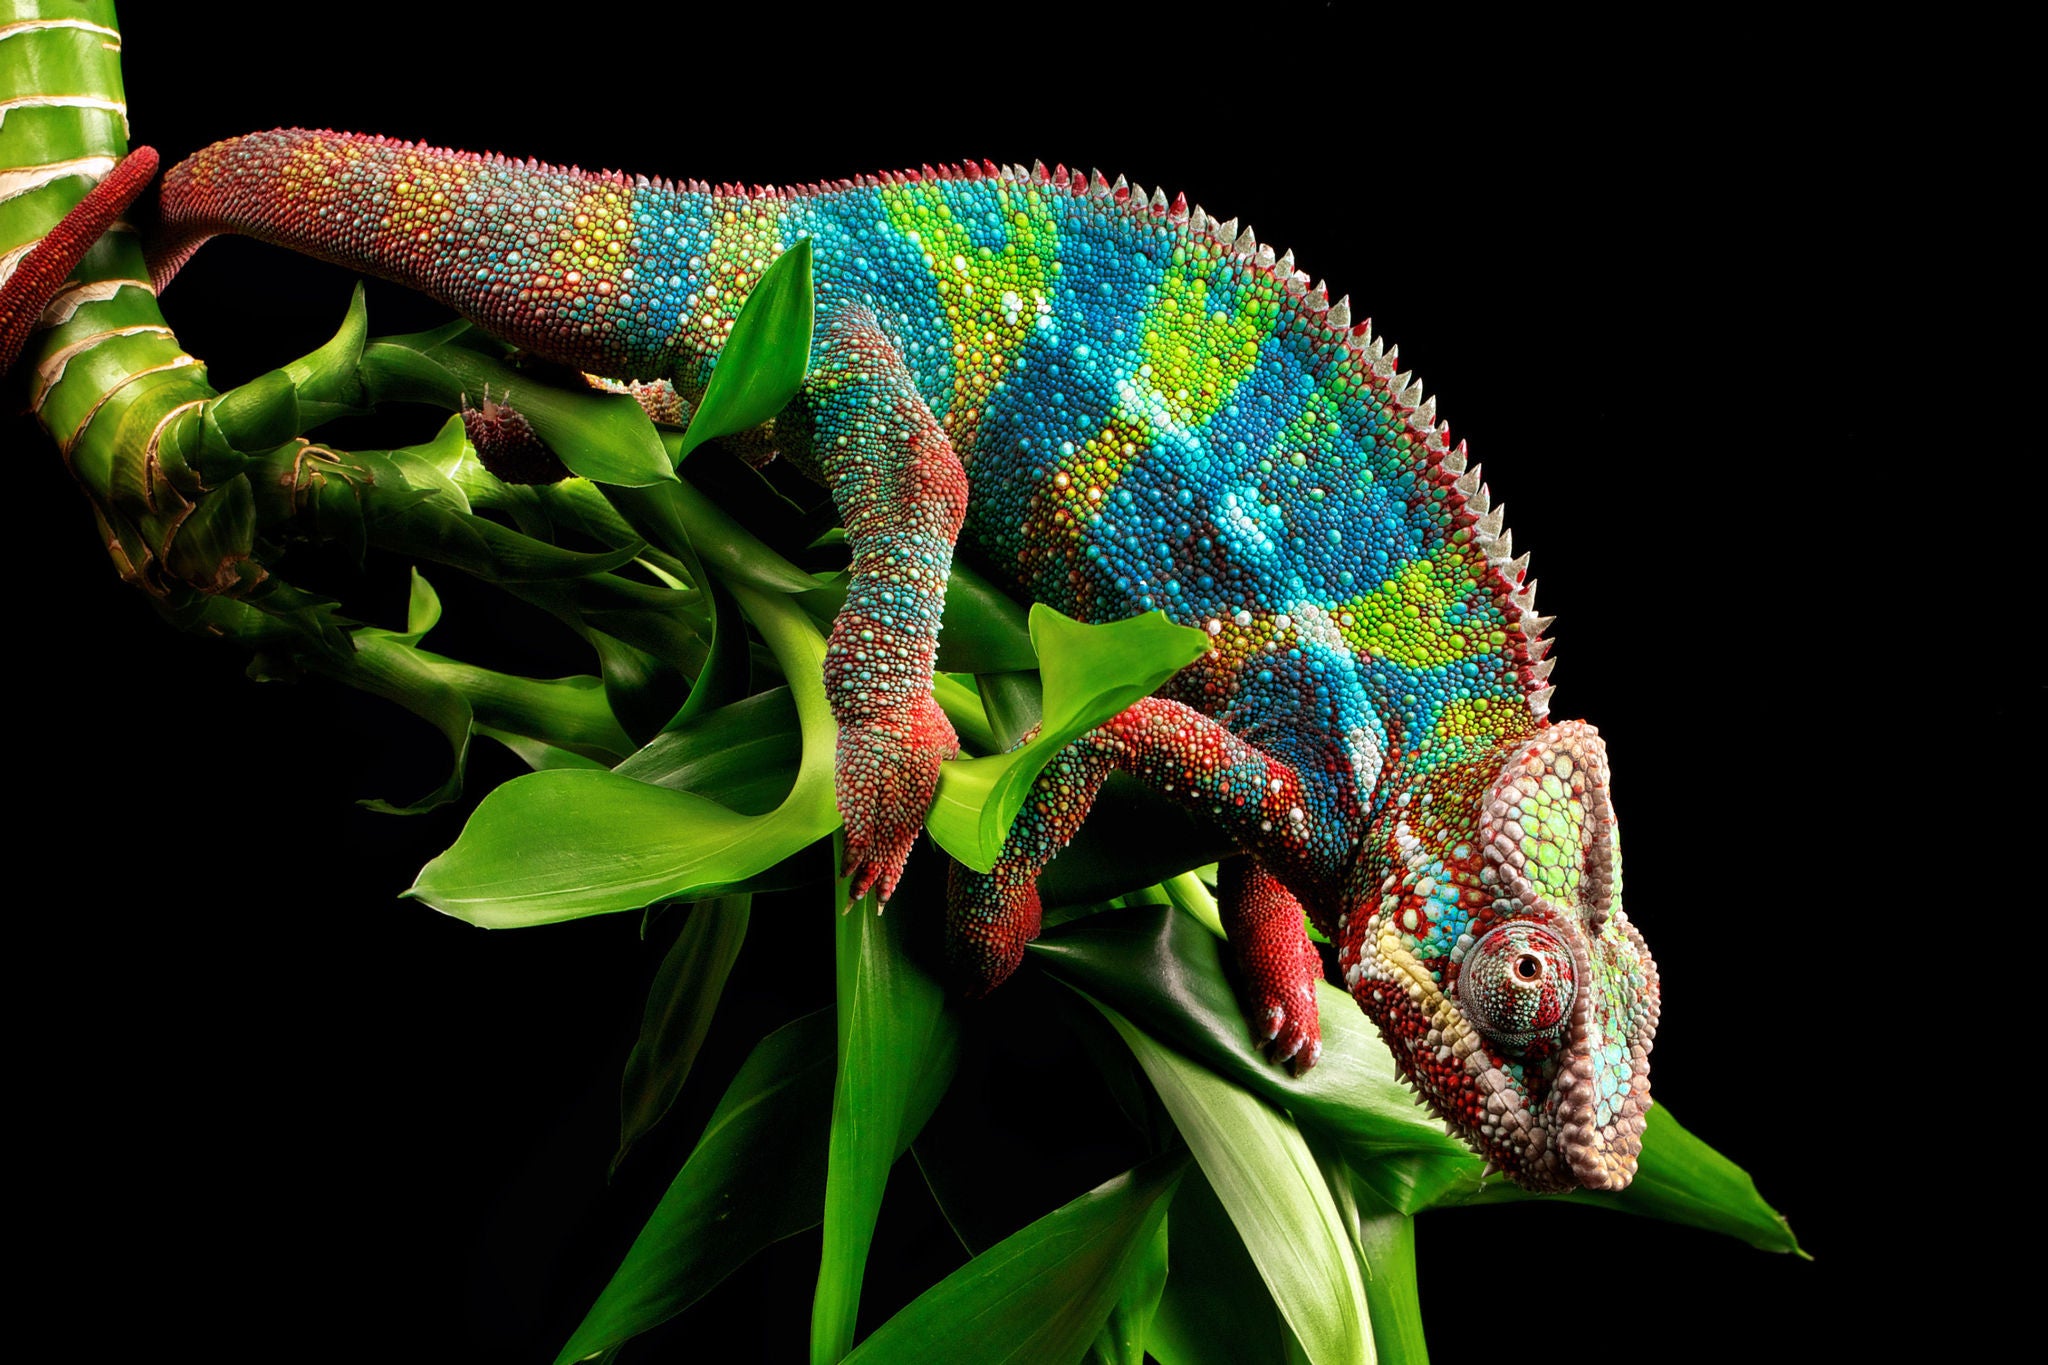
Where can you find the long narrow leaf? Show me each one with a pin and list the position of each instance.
(562, 844)
(1042, 1294)
(1163, 971)
(757, 1175)
(1141, 1283)
(680, 1004)
(897, 1050)
(1268, 1179)
(1215, 1310)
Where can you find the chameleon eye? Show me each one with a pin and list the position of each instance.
(1517, 985)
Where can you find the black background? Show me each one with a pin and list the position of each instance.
(1675, 289)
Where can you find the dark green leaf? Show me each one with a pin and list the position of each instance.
(763, 360)
(1215, 1310)
(983, 630)
(680, 1004)
(743, 755)
(757, 1175)
(559, 845)
(1143, 1279)
(1267, 1178)
(1040, 1295)
(1162, 970)
(897, 1050)
(1682, 1180)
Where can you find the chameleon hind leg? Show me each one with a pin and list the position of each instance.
(862, 428)
(1255, 797)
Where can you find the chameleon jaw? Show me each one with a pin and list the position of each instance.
(1545, 1137)
(1557, 1109)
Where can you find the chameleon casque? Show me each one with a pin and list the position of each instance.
(1122, 404)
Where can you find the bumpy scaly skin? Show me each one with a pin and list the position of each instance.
(1135, 407)
(29, 283)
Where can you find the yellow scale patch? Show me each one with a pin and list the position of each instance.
(992, 296)
(746, 238)
(1196, 355)
(1081, 482)
(1403, 619)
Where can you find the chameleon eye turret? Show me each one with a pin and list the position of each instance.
(1517, 985)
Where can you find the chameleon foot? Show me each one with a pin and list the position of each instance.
(989, 919)
(885, 771)
(1280, 966)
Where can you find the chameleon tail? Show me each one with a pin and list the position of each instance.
(27, 288)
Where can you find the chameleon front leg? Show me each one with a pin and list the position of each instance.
(1281, 967)
(1257, 799)
(902, 496)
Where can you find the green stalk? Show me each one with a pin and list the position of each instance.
(109, 382)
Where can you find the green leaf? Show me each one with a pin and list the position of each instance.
(743, 755)
(983, 629)
(1042, 1294)
(897, 1050)
(1091, 672)
(601, 436)
(1141, 1282)
(643, 689)
(680, 1004)
(558, 845)
(1384, 1239)
(762, 363)
(757, 1175)
(1386, 1243)
(1267, 1178)
(1680, 1179)
(1166, 973)
(1215, 1310)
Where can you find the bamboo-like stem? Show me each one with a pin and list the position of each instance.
(107, 379)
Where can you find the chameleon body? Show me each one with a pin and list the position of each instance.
(1129, 406)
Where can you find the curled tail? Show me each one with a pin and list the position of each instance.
(29, 283)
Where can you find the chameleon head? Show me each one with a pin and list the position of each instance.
(1488, 941)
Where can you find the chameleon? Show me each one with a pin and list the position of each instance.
(1121, 404)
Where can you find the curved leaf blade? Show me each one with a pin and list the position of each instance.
(757, 1175)
(763, 361)
(1266, 1176)
(677, 1017)
(1041, 1294)
(604, 437)
(897, 1049)
(1090, 672)
(563, 844)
